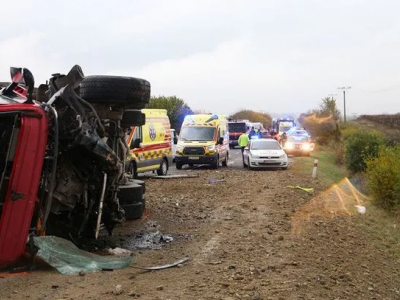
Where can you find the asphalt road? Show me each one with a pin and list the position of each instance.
(235, 161)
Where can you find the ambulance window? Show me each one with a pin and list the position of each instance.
(136, 135)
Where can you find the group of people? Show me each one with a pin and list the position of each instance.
(245, 137)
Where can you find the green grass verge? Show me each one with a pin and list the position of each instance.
(328, 171)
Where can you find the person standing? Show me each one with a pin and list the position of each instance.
(243, 141)
(252, 132)
(283, 139)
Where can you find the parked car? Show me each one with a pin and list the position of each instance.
(265, 153)
(150, 144)
(203, 140)
(298, 132)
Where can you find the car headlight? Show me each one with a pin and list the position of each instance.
(211, 148)
(253, 156)
(179, 148)
(289, 145)
(306, 146)
(283, 156)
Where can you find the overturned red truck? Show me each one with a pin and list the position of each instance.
(62, 155)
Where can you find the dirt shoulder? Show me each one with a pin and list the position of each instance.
(251, 238)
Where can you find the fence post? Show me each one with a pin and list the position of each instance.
(314, 171)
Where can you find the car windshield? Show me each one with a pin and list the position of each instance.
(299, 132)
(237, 127)
(297, 138)
(265, 145)
(284, 128)
(197, 133)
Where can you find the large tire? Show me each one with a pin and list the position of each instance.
(178, 165)
(133, 211)
(248, 165)
(127, 91)
(132, 169)
(130, 193)
(163, 170)
(141, 183)
(215, 165)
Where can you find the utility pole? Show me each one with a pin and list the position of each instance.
(344, 100)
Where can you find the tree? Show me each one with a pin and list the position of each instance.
(323, 122)
(327, 108)
(253, 116)
(176, 108)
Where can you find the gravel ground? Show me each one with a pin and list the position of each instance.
(249, 237)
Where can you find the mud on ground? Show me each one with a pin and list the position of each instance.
(249, 237)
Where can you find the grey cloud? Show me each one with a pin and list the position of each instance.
(296, 51)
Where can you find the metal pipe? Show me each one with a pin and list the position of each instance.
(103, 191)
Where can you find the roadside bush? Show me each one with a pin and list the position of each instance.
(348, 130)
(383, 178)
(338, 147)
(323, 129)
(360, 147)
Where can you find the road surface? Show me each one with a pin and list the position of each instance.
(249, 237)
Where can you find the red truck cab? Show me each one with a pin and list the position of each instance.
(236, 128)
(23, 139)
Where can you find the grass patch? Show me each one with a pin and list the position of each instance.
(382, 229)
(328, 171)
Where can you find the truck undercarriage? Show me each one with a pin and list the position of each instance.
(83, 166)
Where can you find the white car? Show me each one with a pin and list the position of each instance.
(265, 153)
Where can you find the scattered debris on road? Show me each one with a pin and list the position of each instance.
(119, 252)
(361, 209)
(215, 181)
(147, 240)
(307, 190)
(68, 259)
(174, 176)
(175, 264)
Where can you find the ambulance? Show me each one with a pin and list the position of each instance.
(150, 145)
(203, 139)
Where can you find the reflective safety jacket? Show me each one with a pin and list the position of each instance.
(243, 140)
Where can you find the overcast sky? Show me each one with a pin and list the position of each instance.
(279, 56)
